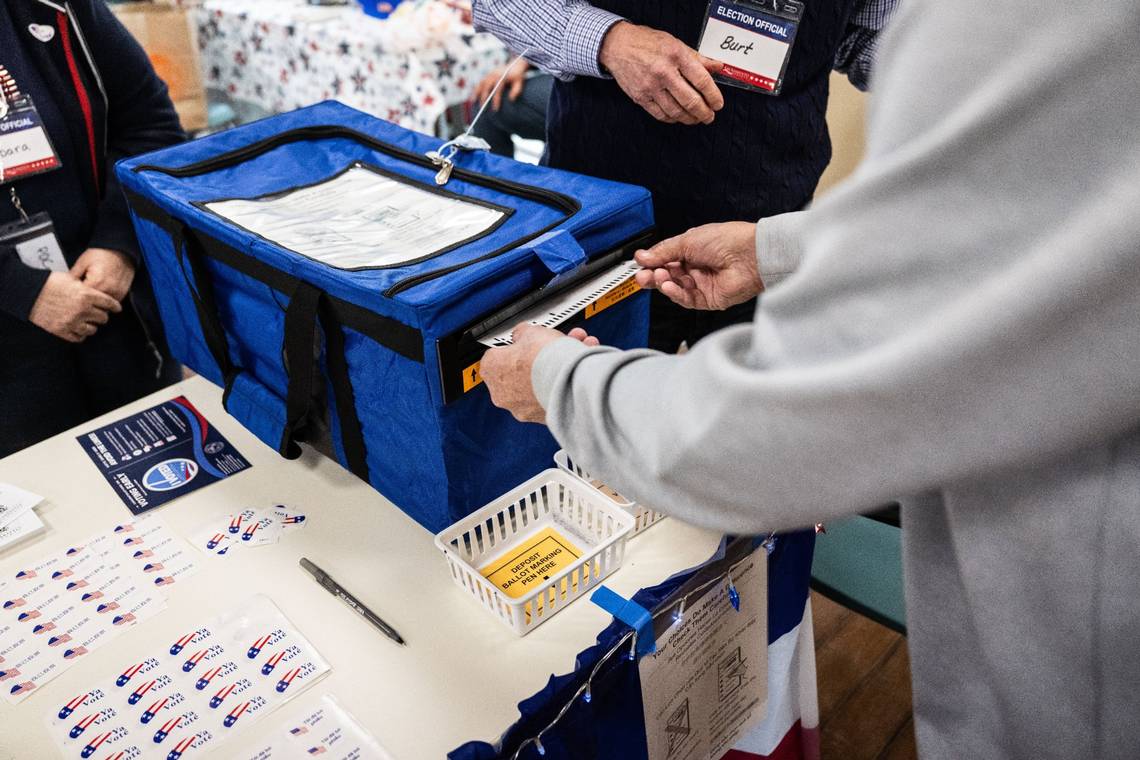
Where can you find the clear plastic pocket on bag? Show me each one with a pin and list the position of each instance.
(364, 218)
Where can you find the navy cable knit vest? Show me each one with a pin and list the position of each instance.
(761, 156)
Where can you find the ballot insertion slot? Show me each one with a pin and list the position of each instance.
(603, 282)
(558, 308)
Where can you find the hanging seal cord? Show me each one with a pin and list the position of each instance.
(444, 156)
(585, 691)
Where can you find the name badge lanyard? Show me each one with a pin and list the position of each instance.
(25, 151)
(753, 39)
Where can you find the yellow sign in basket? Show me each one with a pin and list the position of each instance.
(533, 564)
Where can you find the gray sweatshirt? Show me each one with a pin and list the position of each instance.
(963, 331)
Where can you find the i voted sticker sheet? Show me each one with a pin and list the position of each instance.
(159, 454)
(326, 731)
(183, 699)
(59, 609)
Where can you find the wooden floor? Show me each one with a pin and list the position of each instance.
(864, 686)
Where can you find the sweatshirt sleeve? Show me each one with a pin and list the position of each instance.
(780, 245)
(966, 304)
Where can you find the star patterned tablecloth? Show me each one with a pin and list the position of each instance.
(284, 54)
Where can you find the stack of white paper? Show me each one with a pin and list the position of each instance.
(18, 519)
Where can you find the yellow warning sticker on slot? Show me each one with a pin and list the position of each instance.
(620, 293)
(533, 564)
(471, 377)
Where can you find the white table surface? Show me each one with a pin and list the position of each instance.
(462, 673)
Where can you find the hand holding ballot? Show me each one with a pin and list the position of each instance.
(507, 370)
(711, 267)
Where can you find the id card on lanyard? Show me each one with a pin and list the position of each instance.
(35, 242)
(25, 151)
(753, 39)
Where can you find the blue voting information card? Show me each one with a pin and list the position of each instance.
(156, 456)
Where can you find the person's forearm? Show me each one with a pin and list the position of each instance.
(560, 36)
(746, 438)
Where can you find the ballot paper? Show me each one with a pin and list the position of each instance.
(591, 297)
(15, 502)
(326, 731)
(192, 693)
(57, 610)
(707, 683)
(364, 218)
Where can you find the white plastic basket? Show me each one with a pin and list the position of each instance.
(550, 516)
(643, 516)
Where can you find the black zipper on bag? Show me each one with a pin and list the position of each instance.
(565, 203)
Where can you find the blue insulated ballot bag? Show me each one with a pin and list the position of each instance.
(326, 273)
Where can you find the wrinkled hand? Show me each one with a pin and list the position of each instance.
(70, 309)
(711, 267)
(513, 84)
(107, 271)
(507, 370)
(661, 74)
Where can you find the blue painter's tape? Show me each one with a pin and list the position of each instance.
(632, 614)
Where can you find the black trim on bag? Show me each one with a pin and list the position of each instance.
(405, 340)
(351, 435)
(188, 251)
(506, 212)
(300, 363)
(568, 205)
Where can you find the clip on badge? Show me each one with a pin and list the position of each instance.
(25, 147)
(753, 39)
(34, 239)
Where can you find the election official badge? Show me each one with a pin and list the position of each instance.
(25, 148)
(753, 39)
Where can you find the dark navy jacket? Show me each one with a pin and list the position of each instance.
(101, 100)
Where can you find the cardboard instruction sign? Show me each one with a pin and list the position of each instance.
(157, 455)
(707, 684)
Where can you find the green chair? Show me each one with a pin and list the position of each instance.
(858, 563)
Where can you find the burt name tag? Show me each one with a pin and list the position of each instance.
(754, 46)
